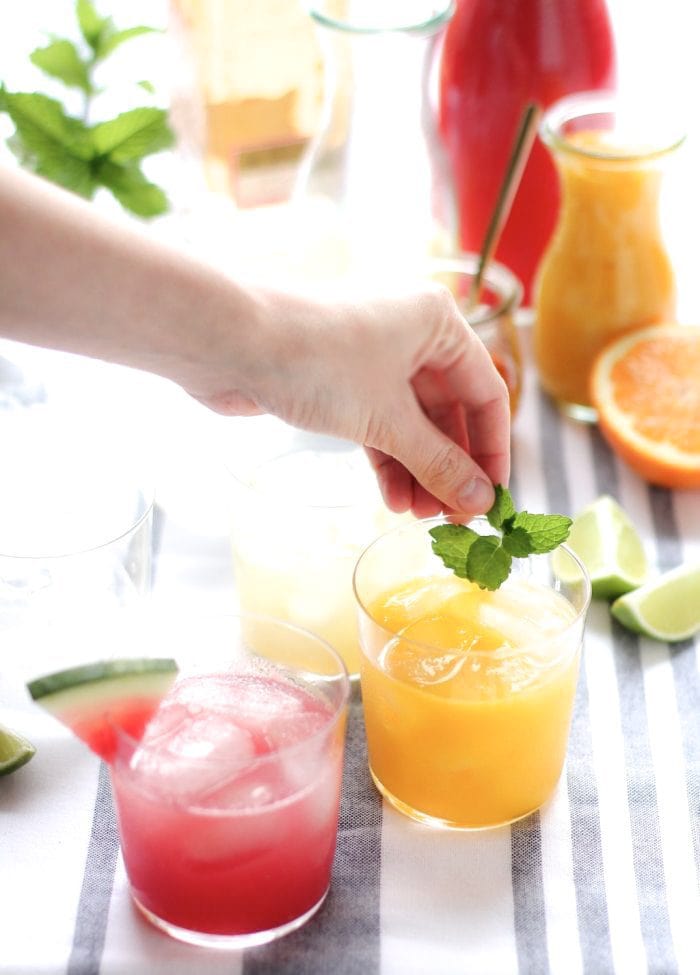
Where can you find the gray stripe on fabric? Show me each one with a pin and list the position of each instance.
(687, 684)
(685, 675)
(344, 937)
(586, 844)
(529, 916)
(528, 896)
(669, 552)
(98, 881)
(642, 798)
(604, 469)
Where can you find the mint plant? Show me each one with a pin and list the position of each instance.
(487, 559)
(68, 149)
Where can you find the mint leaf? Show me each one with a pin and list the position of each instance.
(488, 563)
(60, 59)
(451, 543)
(91, 24)
(517, 542)
(65, 149)
(502, 508)
(44, 126)
(133, 135)
(68, 171)
(545, 531)
(487, 559)
(147, 86)
(132, 189)
(113, 39)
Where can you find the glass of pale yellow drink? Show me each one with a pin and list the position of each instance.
(467, 693)
(304, 507)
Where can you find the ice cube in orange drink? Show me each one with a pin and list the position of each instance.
(468, 697)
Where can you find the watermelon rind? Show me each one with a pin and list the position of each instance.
(96, 700)
(99, 673)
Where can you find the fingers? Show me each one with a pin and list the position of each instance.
(472, 381)
(395, 482)
(442, 469)
(231, 403)
(400, 490)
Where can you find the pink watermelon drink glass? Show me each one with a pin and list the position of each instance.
(228, 802)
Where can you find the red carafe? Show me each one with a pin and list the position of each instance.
(498, 55)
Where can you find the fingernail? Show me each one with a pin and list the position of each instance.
(476, 495)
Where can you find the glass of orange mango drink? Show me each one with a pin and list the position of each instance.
(467, 693)
(607, 268)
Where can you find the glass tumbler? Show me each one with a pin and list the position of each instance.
(228, 805)
(467, 693)
(76, 516)
(303, 508)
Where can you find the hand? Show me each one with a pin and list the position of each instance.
(405, 376)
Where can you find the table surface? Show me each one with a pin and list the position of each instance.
(604, 879)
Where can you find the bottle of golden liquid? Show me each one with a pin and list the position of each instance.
(607, 269)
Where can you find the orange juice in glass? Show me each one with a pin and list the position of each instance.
(467, 694)
(607, 269)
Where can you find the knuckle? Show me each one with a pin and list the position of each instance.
(445, 466)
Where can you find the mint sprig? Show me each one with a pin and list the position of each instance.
(487, 559)
(70, 151)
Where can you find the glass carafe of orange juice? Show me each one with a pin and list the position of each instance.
(607, 268)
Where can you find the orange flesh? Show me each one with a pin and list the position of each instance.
(669, 368)
(648, 402)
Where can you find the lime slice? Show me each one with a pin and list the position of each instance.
(607, 543)
(15, 751)
(667, 608)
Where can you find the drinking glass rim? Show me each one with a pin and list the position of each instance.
(342, 676)
(411, 26)
(295, 503)
(150, 500)
(580, 614)
(496, 276)
(591, 104)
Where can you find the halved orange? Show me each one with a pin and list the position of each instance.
(645, 386)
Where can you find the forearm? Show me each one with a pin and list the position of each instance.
(74, 280)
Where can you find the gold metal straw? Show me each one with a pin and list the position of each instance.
(514, 170)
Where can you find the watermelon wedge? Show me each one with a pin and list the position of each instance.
(94, 700)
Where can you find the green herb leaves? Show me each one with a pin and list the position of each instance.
(486, 559)
(68, 150)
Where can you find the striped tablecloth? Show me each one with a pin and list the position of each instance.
(602, 880)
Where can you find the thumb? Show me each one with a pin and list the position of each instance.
(440, 465)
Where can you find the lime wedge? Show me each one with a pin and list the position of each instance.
(15, 751)
(667, 608)
(606, 541)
